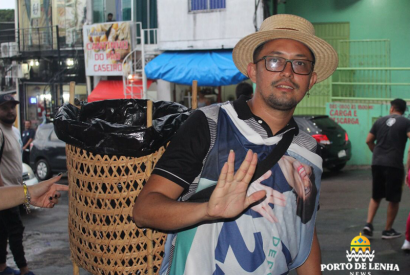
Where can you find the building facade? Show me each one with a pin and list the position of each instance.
(44, 51)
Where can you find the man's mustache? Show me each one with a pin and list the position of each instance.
(274, 83)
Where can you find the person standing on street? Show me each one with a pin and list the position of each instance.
(11, 226)
(387, 140)
(406, 244)
(27, 137)
(199, 191)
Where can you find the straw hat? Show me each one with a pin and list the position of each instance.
(290, 27)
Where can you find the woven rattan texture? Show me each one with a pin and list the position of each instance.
(103, 238)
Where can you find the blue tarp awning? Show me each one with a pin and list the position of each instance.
(209, 68)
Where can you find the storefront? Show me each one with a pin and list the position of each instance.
(39, 104)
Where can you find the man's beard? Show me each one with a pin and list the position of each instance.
(8, 121)
(281, 104)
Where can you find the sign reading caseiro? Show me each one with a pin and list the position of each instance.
(105, 47)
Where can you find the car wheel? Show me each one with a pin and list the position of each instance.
(43, 170)
(337, 167)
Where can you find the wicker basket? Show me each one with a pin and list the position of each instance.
(103, 238)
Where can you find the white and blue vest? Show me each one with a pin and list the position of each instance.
(250, 244)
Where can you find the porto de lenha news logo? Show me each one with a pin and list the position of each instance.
(360, 259)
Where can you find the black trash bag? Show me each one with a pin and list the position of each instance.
(119, 127)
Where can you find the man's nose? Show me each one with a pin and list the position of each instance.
(287, 71)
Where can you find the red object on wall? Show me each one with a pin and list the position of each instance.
(114, 89)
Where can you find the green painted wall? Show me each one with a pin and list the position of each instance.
(368, 19)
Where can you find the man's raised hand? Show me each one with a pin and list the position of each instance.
(229, 198)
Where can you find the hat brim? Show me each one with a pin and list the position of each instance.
(326, 59)
(10, 101)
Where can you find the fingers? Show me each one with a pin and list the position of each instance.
(247, 168)
(254, 197)
(52, 201)
(267, 214)
(231, 166)
(54, 179)
(60, 187)
(277, 198)
(265, 176)
(272, 196)
(222, 177)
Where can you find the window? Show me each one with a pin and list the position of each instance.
(206, 5)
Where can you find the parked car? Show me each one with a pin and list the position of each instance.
(28, 175)
(334, 144)
(47, 153)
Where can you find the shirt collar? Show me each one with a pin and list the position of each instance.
(244, 112)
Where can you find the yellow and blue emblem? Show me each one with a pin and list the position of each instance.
(360, 243)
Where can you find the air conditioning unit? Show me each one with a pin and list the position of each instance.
(13, 48)
(4, 49)
(9, 49)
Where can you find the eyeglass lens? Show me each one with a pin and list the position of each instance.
(277, 64)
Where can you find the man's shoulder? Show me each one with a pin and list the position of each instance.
(305, 140)
(397, 120)
(211, 111)
(403, 119)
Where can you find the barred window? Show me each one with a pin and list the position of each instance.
(206, 5)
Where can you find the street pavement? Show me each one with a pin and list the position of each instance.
(344, 200)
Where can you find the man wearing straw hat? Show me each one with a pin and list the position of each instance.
(253, 221)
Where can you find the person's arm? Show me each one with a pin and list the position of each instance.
(156, 206)
(44, 194)
(1, 181)
(370, 141)
(312, 265)
(27, 144)
(408, 157)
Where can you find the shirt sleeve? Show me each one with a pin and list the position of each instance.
(182, 161)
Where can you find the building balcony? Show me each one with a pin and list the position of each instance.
(43, 41)
(54, 41)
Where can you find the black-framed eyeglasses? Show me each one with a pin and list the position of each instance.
(278, 64)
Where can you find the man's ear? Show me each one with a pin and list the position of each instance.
(312, 81)
(251, 70)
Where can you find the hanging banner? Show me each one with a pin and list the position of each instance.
(105, 47)
(35, 9)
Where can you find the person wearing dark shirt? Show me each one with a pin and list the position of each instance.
(387, 140)
(27, 138)
(244, 89)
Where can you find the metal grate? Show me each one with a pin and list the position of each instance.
(321, 93)
(366, 72)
